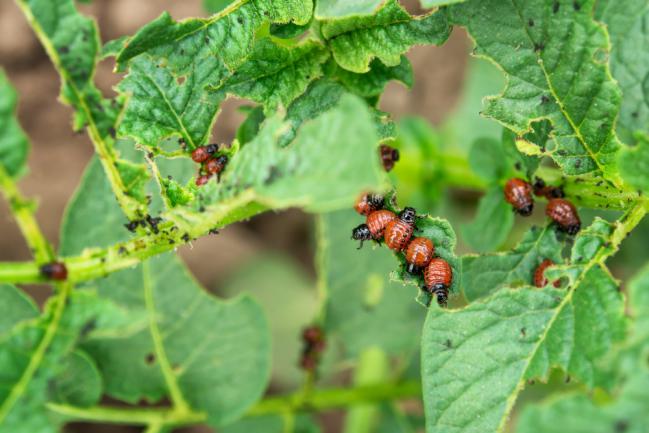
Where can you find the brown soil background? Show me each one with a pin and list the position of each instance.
(58, 156)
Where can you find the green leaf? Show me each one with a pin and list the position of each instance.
(626, 24)
(13, 141)
(72, 42)
(492, 224)
(135, 177)
(339, 145)
(372, 83)
(288, 296)
(434, 3)
(484, 274)
(385, 35)
(488, 160)
(554, 56)
(275, 75)
(250, 127)
(515, 335)
(273, 424)
(627, 411)
(15, 307)
(34, 356)
(579, 414)
(182, 342)
(634, 164)
(473, 359)
(214, 6)
(79, 383)
(334, 9)
(172, 65)
(360, 295)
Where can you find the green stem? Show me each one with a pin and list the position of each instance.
(320, 400)
(175, 393)
(23, 211)
(131, 207)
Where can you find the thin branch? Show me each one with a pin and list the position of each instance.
(23, 211)
(319, 400)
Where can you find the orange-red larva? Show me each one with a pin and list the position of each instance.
(419, 253)
(518, 193)
(539, 279)
(564, 214)
(438, 277)
(378, 220)
(399, 230)
(54, 271)
(368, 203)
(389, 156)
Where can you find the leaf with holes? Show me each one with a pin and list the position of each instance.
(554, 57)
(515, 335)
(172, 67)
(484, 274)
(386, 35)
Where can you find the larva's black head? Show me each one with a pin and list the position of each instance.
(538, 185)
(408, 215)
(361, 233)
(557, 192)
(223, 159)
(526, 210)
(573, 229)
(211, 149)
(376, 201)
(441, 293)
(395, 155)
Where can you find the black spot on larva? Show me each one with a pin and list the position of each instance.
(576, 6)
(530, 22)
(149, 358)
(621, 426)
(555, 7)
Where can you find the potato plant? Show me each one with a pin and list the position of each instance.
(127, 323)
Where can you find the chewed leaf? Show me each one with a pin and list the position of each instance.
(216, 352)
(484, 274)
(386, 35)
(554, 56)
(274, 75)
(331, 147)
(372, 83)
(515, 335)
(13, 142)
(172, 66)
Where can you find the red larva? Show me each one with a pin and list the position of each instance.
(313, 345)
(378, 220)
(368, 203)
(389, 156)
(54, 271)
(202, 179)
(216, 165)
(374, 226)
(564, 214)
(201, 154)
(398, 231)
(438, 277)
(419, 253)
(518, 193)
(539, 278)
